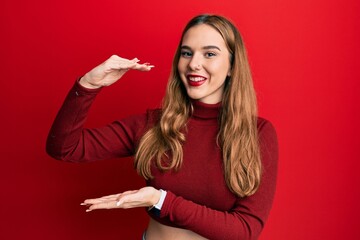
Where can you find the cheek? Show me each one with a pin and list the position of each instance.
(182, 71)
(181, 66)
(219, 68)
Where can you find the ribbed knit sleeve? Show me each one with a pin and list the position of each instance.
(68, 140)
(247, 217)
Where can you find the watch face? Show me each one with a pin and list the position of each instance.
(154, 211)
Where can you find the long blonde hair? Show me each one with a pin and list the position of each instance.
(237, 135)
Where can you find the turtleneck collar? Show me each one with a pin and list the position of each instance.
(205, 110)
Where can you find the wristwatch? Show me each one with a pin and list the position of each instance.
(156, 208)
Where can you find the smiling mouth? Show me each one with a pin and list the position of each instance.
(195, 80)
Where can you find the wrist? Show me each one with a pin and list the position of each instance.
(158, 199)
(87, 84)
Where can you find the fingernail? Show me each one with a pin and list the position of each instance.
(83, 204)
(118, 203)
(88, 210)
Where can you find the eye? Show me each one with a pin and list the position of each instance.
(186, 54)
(210, 54)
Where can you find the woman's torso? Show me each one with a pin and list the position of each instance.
(158, 231)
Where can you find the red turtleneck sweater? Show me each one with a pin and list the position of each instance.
(197, 196)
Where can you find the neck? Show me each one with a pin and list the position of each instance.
(205, 110)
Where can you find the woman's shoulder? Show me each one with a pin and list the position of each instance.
(268, 140)
(264, 123)
(266, 129)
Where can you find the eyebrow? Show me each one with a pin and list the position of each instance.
(205, 47)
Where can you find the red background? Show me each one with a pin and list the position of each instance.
(304, 56)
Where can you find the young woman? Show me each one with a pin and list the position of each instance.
(209, 161)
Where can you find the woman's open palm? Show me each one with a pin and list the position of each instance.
(144, 197)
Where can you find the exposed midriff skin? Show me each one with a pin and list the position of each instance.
(158, 231)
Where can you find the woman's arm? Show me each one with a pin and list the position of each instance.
(69, 141)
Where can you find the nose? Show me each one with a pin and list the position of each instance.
(195, 63)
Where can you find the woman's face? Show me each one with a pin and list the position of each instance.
(204, 64)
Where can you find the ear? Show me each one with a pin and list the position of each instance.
(230, 69)
(229, 73)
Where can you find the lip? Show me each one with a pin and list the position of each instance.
(195, 80)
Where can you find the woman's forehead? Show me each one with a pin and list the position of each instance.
(203, 35)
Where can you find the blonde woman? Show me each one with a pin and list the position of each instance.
(209, 161)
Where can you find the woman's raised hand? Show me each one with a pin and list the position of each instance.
(111, 70)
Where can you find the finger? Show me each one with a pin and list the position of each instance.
(111, 196)
(103, 205)
(100, 200)
(117, 58)
(123, 66)
(106, 197)
(129, 63)
(93, 201)
(143, 67)
(118, 63)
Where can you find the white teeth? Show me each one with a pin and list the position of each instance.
(196, 79)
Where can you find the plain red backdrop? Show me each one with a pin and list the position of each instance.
(304, 56)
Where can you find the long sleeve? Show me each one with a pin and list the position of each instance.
(69, 141)
(247, 217)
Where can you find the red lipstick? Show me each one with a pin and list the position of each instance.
(195, 80)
